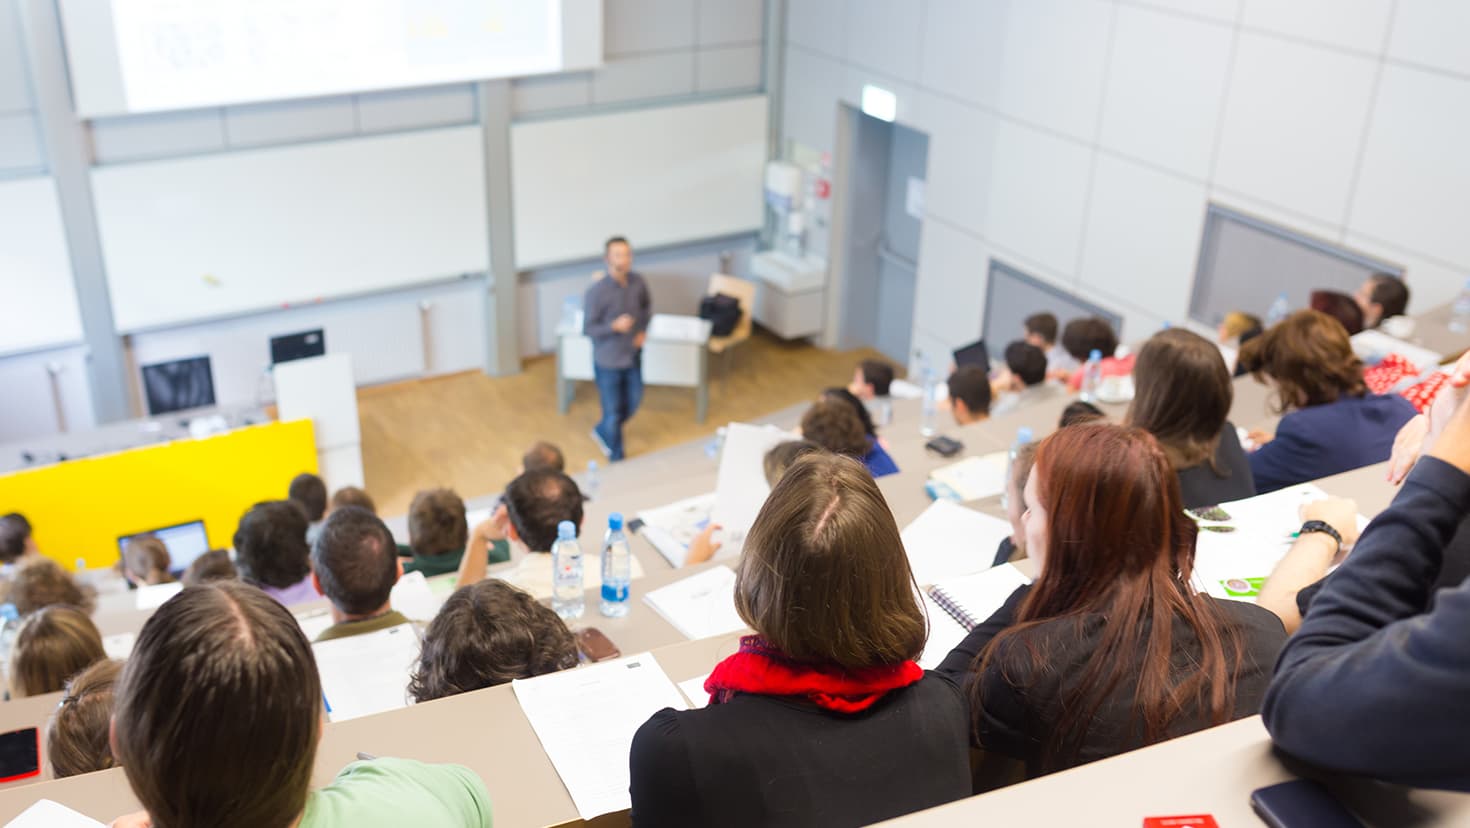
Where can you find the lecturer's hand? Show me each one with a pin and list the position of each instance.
(623, 323)
(639, 338)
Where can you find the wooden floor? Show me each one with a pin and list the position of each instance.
(468, 431)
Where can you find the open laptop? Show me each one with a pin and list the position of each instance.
(973, 354)
(185, 542)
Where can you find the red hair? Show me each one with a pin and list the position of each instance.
(1119, 548)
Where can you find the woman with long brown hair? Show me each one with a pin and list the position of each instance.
(1111, 648)
(1183, 396)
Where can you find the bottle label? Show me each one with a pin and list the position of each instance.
(614, 593)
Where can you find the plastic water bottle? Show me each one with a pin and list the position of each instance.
(928, 422)
(1023, 437)
(617, 568)
(9, 627)
(1460, 311)
(593, 480)
(1092, 376)
(566, 576)
(1278, 311)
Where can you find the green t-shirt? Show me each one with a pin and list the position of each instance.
(395, 792)
(447, 562)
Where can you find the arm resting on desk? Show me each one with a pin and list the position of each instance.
(1371, 684)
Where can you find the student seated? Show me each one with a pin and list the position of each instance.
(1025, 382)
(543, 455)
(1382, 296)
(782, 455)
(1013, 548)
(534, 503)
(52, 645)
(832, 424)
(1237, 327)
(77, 737)
(1111, 648)
(827, 684)
(1093, 333)
(272, 554)
(1298, 576)
(969, 395)
(1332, 423)
(1182, 396)
(1339, 306)
(872, 379)
(486, 634)
(41, 582)
(214, 565)
(309, 492)
(145, 562)
(355, 564)
(1374, 682)
(218, 715)
(352, 496)
(1080, 413)
(437, 533)
(16, 543)
(1041, 331)
(870, 429)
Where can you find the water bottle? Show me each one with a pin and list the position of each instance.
(1092, 376)
(1023, 437)
(593, 481)
(1278, 311)
(8, 630)
(716, 444)
(617, 568)
(1460, 312)
(566, 576)
(928, 425)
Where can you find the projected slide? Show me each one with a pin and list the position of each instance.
(176, 54)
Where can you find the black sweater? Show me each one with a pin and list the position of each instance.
(779, 761)
(1372, 684)
(1200, 485)
(1019, 709)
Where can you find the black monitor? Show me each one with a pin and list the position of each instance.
(179, 385)
(301, 345)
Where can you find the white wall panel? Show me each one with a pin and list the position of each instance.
(1432, 33)
(817, 24)
(1225, 11)
(813, 86)
(642, 77)
(1037, 191)
(731, 22)
(961, 154)
(1359, 24)
(950, 293)
(633, 26)
(885, 35)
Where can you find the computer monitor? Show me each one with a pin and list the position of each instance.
(973, 354)
(302, 345)
(185, 542)
(179, 385)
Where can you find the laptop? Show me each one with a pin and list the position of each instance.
(185, 542)
(973, 354)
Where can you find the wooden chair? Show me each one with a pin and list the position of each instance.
(744, 290)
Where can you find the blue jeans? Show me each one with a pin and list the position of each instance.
(621, 390)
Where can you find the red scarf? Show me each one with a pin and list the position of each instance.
(759, 668)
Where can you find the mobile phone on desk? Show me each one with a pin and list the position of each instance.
(595, 646)
(945, 446)
(1301, 804)
(20, 754)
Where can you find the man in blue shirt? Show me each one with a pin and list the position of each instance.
(616, 313)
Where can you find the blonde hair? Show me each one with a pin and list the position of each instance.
(52, 645)
(1237, 323)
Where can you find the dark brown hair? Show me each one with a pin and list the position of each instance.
(1027, 362)
(310, 493)
(536, 501)
(1309, 357)
(858, 407)
(1391, 292)
(878, 374)
(356, 561)
(54, 644)
(970, 385)
(543, 455)
(1090, 333)
(783, 454)
(436, 523)
(353, 496)
(1120, 548)
(77, 738)
(486, 634)
(214, 565)
(14, 530)
(1079, 412)
(1339, 306)
(270, 545)
(42, 583)
(824, 577)
(1043, 325)
(218, 711)
(1183, 396)
(145, 559)
(832, 424)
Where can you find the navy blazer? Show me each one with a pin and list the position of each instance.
(1324, 440)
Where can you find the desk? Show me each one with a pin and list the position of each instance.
(676, 354)
(1210, 772)
(1432, 331)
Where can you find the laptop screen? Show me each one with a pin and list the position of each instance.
(973, 354)
(185, 542)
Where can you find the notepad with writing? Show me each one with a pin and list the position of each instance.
(971, 599)
(367, 673)
(701, 605)
(948, 540)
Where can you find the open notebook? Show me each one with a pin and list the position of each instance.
(948, 540)
(957, 605)
(972, 478)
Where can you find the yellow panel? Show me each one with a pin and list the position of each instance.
(80, 508)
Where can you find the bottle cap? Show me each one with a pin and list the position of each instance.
(615, 520)
(591, 465)
(1095, 355)
(1024, 435)
(566, 530)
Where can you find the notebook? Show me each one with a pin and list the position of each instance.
(699, 606)
(671, 528)
(971, 599)
(973, 478)
(948, 540)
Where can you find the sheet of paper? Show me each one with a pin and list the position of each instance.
(975, 478)
(412, 597)
(981, 594)
(694, 691)
(740, 486)
(948, 540)
(701, 605)
(586, 718)
(314, 623)
(672, 327)
(1374, 345)
(153, 597)
(902, 389)
(945, 634)
(670, 528)
(119, 645)
(367, 673)
(48, 814)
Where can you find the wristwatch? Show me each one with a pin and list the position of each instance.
(1323, 527)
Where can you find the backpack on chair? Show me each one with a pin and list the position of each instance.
(722, 311)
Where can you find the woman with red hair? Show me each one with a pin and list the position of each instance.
(1112, 648)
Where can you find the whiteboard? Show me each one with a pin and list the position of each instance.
(658, 176)
(230, 233)
(35, 268)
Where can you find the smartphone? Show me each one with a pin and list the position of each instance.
(1301, 804)
(595, 646)
(945, 446)
(20, 754)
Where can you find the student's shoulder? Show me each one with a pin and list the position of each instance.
(1258, 623)
(385, 790)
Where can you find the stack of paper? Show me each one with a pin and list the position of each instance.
(948, 540)
(119, 645)
(701, 605)
(586, 718)
(671, 528)
(367, 673)
(48, 814)
(974, 478)
(153, 597)
(741, 488)
(412, 597)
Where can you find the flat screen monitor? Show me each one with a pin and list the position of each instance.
(973, 354)
(185, 542)
(298, 346)
(179, 385)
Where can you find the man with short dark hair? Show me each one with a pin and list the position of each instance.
(1093, 333)
(438, 534)
(310, 493)
(616, 312)
(872, 379)
(1025, 381)
(969, 394)
(1381, 297)
(355, 564)
(543, 455)
(1041, 331)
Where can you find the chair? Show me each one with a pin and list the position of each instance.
(743, 290)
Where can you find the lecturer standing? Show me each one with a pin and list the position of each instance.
(617, 310)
